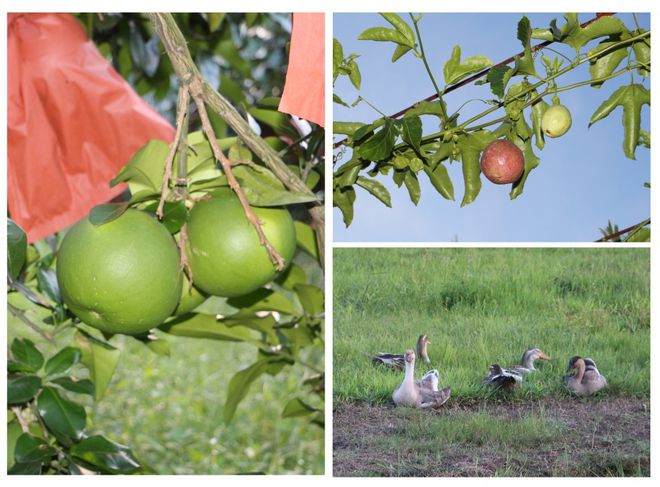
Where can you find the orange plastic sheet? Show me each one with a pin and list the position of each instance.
(304, 89)
(73, 122)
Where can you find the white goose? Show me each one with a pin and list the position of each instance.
(423, 393)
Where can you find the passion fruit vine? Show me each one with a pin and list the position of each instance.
(502, 162)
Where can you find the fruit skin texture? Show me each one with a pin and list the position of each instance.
(225, 254)
(556, 121)
(122, 276)
(502, 162)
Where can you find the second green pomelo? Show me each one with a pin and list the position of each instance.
(226, 256)
(122, 276)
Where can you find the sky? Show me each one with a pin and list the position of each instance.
(583, 180)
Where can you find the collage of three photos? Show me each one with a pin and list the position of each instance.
(475, 225)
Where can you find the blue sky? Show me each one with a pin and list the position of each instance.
(583, 179)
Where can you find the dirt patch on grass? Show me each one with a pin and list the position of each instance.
(607, 436)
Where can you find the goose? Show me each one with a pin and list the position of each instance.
(587, 379)
(502, 379)
(423, 393)
(397, 361)
(530, 356)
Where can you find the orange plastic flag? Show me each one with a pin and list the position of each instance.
(304, 89)
(73, 122)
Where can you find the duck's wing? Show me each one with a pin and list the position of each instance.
(429, 380)
(392, 360)
(434, 399)
(505, 378)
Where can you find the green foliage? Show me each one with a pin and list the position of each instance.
(16, 249)
(401, 150)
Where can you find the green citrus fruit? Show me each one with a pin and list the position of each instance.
(225, 254)
(502, 162)
(556, 121)
(122, 276)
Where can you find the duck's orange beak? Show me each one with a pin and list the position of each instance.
(543, 356)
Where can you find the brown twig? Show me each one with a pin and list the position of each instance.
(181, 114)
(183, 259)
(625, 230)
(188, 74)
(476, 76)
(274, 255)
(21, 316)
(24, 426)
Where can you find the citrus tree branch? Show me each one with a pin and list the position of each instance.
(176, 48)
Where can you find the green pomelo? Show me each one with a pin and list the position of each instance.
(226, 256)
(122, 276)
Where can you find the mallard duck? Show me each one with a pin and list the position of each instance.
(501, 378)
(530, 356)
(397, 360)
(423, 393)
(586, 379)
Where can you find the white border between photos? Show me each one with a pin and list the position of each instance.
(329, 7)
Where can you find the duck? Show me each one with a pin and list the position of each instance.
(397, 360)
(502, 379)
(530, 356)
(423, 393)
(587, 379)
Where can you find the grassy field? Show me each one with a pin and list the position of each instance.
(481, 306)
(169, 410)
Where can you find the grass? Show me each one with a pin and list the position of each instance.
(169, 410)
(481, 306)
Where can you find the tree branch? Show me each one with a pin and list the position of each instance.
(625, 230)
(189, 75)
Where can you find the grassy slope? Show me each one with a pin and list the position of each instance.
(169, 410)
(480, 306)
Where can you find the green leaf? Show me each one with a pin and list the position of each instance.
(22, 389)
(339, 101)
(412, 184)
(376, 189)
(346, 128)
(306, 238)
(26, 354)
(290, 277)
(205, 326)
(107, 212)
(32, 449)
(146, 55)
(61, 415)
(383, 34)
(367, 129)
(344, 198)
(348, 174)
(105, 454)
(401, 26)
(262, 300)
(16, 248)
(296, 407)
(262, 188)
(379, 146)
(47, 284)
(241, 382)
(354, 74)
(454, 70)
(538, 109)
(411, 131)
(470, 146)
(174, 214)
(576, 36)
(311, 298)
(144, 172)
(32, 468)
(498, 77)
(631, 98)
(525, 64)
(399, 51)
(337, 58)
(605, 65)
(426, 108)
(214, 20)
(80, 386)
(639, 234)
(531, 163)
(277, 120)
(100, 358)
(62, 361)
(642, 51)
(441, 181)
(14, 431)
